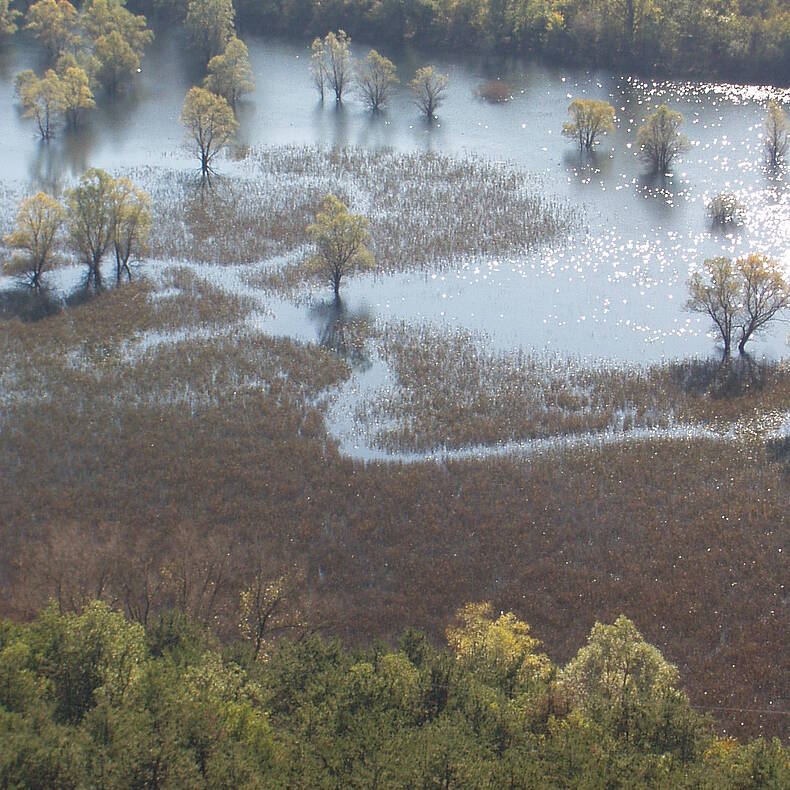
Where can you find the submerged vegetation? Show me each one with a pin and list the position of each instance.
(477, 208)
(451, 392)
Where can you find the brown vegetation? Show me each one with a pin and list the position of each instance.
(180, 474)
(476, 208)
(454, 392)
(495, 91)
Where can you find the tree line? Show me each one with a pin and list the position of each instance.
(91, 699)
(737, 40)
(102, 215)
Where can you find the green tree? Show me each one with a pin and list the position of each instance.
(117, 62)
(339, 67)
(91, 220)
(331, 63)
(659, 140)
(429, 89)
(52, 22)
(764, 294)
(77, 94)
(625, 683)
(267, 608)
(36, 228)
(777, 134)
(209, 125)
(318, 65)
(118, 39)
(131, 224)
(99, 18)
(376, 79)
(589, 118)
(501, 649)
(340, 238)
(8, 17)
(43, 100)
(209, 24)
(230, 74)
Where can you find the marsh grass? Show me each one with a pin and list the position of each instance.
(166, 475)
(169, 476)
(426, 211)
(453, 392)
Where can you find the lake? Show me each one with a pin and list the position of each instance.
(614, 291)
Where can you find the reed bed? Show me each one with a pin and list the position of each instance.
(426, 211)
(170, 474)
(453, 392)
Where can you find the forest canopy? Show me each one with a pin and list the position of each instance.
(92, 699)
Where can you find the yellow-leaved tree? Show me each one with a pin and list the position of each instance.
(340, 239)
(500, 649)
(36, 228)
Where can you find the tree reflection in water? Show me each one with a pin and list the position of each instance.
(343, 331)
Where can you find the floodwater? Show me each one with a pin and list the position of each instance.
(615, 291)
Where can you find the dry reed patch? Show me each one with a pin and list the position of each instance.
(454, 392)
(212, 370)
(286, 280)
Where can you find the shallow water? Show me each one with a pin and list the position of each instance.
(616, 291)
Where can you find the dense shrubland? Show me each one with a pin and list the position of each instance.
(92, 698)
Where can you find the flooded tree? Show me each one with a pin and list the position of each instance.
(741, 298)
(777, 134)
(8, 17)
(209, 123)
(660, 141)
(340, 238)
(765, 293)
(101, 17)
(43, 100)
(209, 24)
(714, 292)
(117, 62)
(429, 89)
(376, 79)
(90, 219)
(331, 64)
(77, 94)
(317, 67)
(52, 22)
(589, 118)
(725, 209)
(131, 220)
(36, 228)
(230, 74)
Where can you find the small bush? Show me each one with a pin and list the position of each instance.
(495, 91)
(726, 209)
